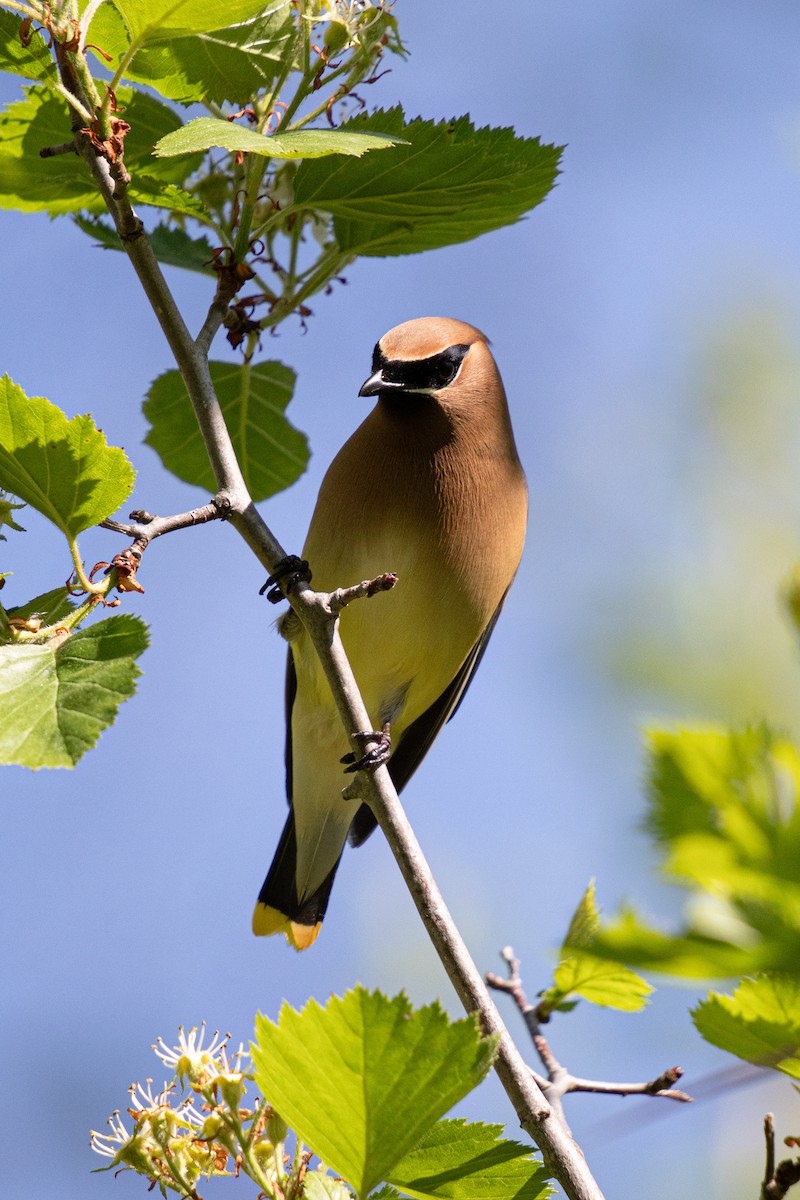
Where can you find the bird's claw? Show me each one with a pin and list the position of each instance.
(291, 569)
(377, 754)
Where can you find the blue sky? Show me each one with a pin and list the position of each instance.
(127, 885)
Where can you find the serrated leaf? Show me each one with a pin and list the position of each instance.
(271, 452)
(205, 133)
(64, 469)
(608, 984)
(173, 247)
(451, 183)
(63, 184)
(461, 1161)
(231, 64)
(55, 704)
(50, 606)
(148, 19)
(33, 61)
(760, 1022)
(585, 921)
(318, 1185)
(362, 1080)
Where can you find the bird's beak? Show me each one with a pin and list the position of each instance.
(376, 384)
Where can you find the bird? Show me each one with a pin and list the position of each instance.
(430, 487)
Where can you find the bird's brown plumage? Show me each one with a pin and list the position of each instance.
(429, 486)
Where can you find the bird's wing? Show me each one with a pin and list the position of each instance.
(416, 741)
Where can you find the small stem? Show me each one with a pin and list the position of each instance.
(93, 589)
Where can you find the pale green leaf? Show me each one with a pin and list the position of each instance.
(585, 921)
(760, 1022)
(55, 704)
(271, 452)
(63, 184)
(33, 61)
(62, 468)
(147, 19)
(204, 133)
(318, 1185)
(452, 182)
(213, 66)
(362, 1080)
(460, 1161)
(51, 606)
(608, 984)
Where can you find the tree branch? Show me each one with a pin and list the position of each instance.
(777, 1179)
(318, 612)
(560, 1081)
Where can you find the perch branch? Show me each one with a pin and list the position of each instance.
(318, 612)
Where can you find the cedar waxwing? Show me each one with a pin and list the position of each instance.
(429, 487)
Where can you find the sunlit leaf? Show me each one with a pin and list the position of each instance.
(204, 133)
(362, 1080)
(460, 1161)
(451, 183)
(760, 1022)
(64, 469)
(54, 704)
(62, 184)
(33, 61)
(212, 66)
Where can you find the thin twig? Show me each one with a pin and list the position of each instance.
(777, 1179)
(146, 527)
(560, 1082)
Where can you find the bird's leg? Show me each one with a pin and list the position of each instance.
(377, 754)
(293, 570)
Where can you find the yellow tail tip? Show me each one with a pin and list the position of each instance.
(268, 921)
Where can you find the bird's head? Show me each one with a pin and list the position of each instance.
(428, 357)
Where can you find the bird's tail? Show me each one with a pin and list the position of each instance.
(278, 909)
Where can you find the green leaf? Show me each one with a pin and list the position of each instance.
(54, 704)
(51, 606)
(204, 133)
(62, 184)
(608, 984)
(760, 1022)
(271, 452)
(231, 64)
(318, 1185)
(460, 1161)
(585, 921)
(362, 1080)
(64, 469)
(688, 954)
(451, 183)
(148, 19)
(723, 808)
(173, 247)
(33, 61)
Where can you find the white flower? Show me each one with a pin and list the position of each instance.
(190, 1058)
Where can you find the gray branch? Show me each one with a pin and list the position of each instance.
(559, 1081)
(319, 614)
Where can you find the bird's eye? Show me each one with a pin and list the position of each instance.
(445, 372)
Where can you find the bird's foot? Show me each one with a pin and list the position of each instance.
(291, 569)
(376, 755)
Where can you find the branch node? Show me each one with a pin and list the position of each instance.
(340, 598)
